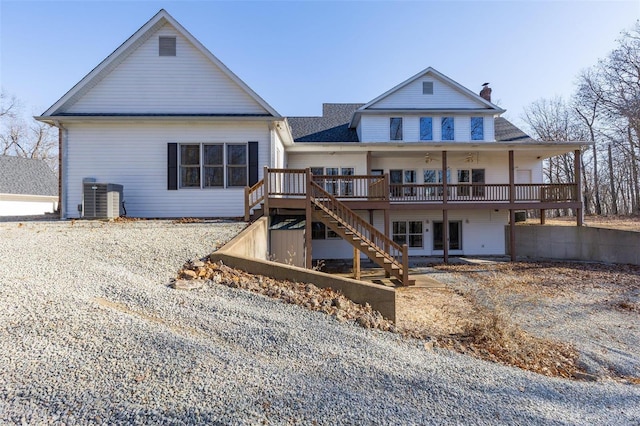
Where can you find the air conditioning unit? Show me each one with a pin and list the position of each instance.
(101, 200)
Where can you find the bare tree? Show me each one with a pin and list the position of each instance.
(25, 137)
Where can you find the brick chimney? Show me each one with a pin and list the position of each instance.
(485, 93)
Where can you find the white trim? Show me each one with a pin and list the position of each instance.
(159, 19)
(457, 86)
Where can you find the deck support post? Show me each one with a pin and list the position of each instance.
(512, 212)
(356, 263)
(247, 211)
(543, 216)
(308, 222)
(387, 233)
(445, 212)
(405, 264)
(265, 177)
(578, 183)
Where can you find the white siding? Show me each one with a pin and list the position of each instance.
(444, 97)
(145, 82)
(375, 128)
(135, 155)
(335, 248)
(304, 160)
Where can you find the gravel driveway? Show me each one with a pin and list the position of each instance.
(90, 333)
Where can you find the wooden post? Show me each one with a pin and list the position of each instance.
(247, 211)
(445, 234)
(356, 263)
(405, 264)
(368, 162)
(308, 222)
(578, 183)
(387, 233)
(445, 212)
(512, 234)
(265, 177)
(512, 212)
(543, 216)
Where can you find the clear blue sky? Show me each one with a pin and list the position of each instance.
(297, 55)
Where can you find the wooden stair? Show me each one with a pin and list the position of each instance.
(360, 234)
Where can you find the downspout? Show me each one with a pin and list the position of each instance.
(62, 167)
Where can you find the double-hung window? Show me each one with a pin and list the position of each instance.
(448, 133)
(338, 185)
(213, 165)
(477, 128)
(320, 232)
(426, 128)
(408, 232)
(395, 128)
(401, 183)
(435, 176)
(471, 182)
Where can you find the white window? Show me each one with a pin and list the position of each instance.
(448, 133)
(408, 232)
(471, 182)
(427, 87)
(477, 128)
(395, 128)
(203, 165)
(340, 185)
(435, 176)
(402, 182)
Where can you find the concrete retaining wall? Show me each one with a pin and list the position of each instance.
(248, 251)
(578, 243)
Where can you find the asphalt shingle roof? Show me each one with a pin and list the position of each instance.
(26, 176)
(333, 126)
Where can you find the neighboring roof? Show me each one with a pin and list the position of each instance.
(505, 131)
(118, 55)
(333, 126)
(26, 176)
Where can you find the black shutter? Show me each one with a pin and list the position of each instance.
(172, 166)
(253, 163)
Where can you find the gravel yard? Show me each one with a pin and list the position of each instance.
(91, 333)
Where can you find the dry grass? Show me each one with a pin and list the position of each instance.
(623, 223)
(477, 316)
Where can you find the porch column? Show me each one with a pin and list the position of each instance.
(543, 216)
(445, 212)
(356, 263)
(388, 234)
(578, 183)
(308, 263)
(512, 212)
(368, 162)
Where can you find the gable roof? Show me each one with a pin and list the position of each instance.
(125, 49)
(333, 126)
(26, 176)
(437, 75)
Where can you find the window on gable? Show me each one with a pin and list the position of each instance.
(427, 87)
(477, 128)
(395, 128)
(426, 128)
(447, 129)
(167, 46)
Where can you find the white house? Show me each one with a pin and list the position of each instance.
(428, 164)
(27, 187)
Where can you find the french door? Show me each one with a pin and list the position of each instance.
(455, 235)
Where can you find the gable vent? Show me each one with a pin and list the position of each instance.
(167, 46)
(427, 87)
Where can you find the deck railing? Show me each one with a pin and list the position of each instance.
(291, 183)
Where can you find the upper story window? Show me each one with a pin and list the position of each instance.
(167, 46)
(427, 87)
(395, 128)
(426, 128)
(447, 129)
(477, 128)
